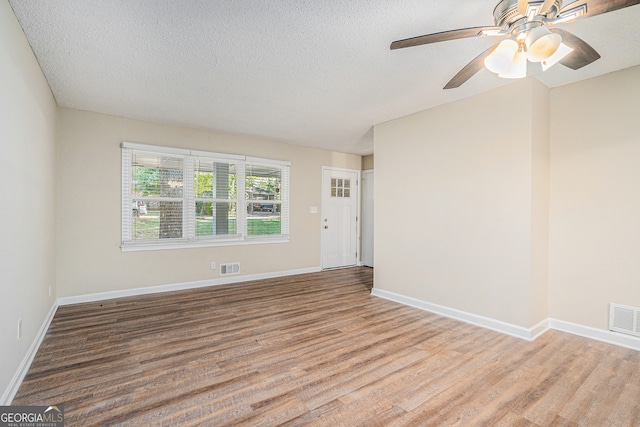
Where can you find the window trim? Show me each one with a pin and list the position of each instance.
(127, 242)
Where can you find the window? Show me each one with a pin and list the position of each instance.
(182, 198)
(215, 189)
(264, 203)
(340, 187)
(157, 196)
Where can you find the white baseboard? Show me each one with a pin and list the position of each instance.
(610, 337)
(100, 296)
(539, 329)
(530, 334)
(485, 322)
(14, 385)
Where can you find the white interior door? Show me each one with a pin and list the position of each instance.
(339, 218)
(367, 218)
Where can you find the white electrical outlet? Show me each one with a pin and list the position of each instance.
(19, 328)
(213, 265)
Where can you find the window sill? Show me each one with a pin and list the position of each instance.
(182, 244)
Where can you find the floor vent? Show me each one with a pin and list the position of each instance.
(625, 319)
(231, 268)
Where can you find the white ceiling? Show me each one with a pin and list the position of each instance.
(311, 72)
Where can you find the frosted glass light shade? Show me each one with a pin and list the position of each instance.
(541, 44)
(562, 51)
(518, 68)
(500, 59)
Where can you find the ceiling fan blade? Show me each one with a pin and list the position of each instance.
(522, 7)
(598, 7)
(470, 69)
(583, 54)
(442, 37)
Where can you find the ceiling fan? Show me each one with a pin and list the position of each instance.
(528, 36)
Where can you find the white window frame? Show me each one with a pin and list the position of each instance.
(189, 238)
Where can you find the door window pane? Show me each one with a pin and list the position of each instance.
(340, 187)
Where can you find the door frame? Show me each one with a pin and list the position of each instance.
(322, 214)
(370, 218)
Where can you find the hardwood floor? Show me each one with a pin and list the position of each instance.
(316, 349)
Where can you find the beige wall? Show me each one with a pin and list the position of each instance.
(520, 214)
(89, 257)
(367, 162)
(540, 187)
(595, 197)
(27, 173)
(458, 226)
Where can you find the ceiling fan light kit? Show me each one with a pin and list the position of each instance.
(525, 27)
(541, 44)
(517, 68)
(500, 60)
(509, 59)
(562, 51)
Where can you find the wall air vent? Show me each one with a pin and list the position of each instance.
(231, 268)
(624, 319)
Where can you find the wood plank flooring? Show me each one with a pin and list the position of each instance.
(316, 349)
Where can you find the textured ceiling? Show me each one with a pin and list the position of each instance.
(308, 72)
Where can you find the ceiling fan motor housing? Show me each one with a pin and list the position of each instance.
(506, 12)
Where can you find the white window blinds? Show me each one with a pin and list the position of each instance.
(181, 198)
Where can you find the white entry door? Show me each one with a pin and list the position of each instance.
(339, 217)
